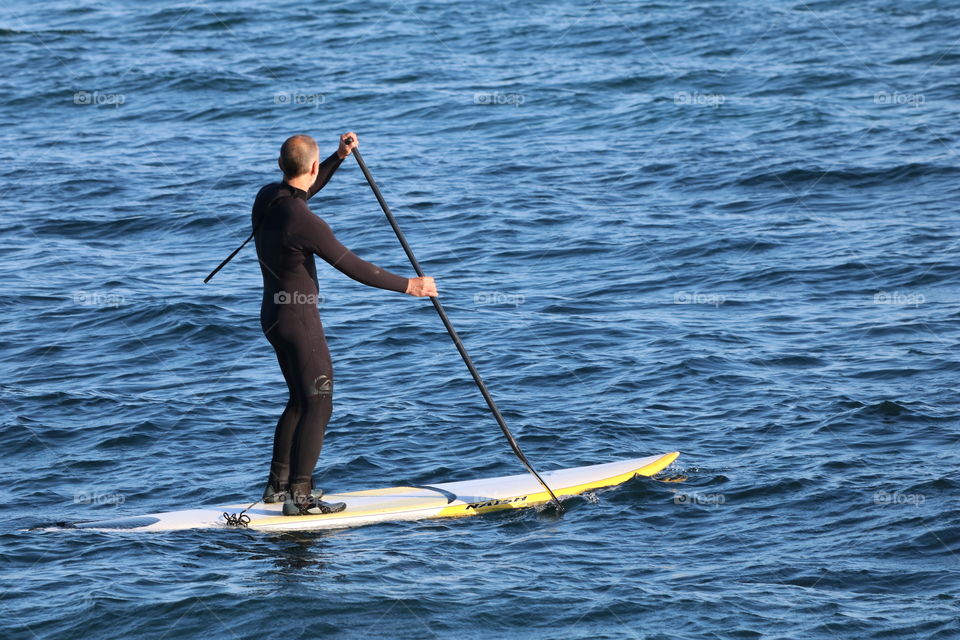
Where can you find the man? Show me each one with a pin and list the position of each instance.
(288, 236)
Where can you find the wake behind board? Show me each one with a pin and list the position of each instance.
(451, 499)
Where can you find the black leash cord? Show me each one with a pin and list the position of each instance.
(238, 519)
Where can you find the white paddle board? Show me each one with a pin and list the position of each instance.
(450, 499)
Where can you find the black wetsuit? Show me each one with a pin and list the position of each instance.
(288, 235)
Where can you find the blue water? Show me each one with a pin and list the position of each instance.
(729, 229)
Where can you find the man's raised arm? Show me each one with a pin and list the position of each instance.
(330, 165)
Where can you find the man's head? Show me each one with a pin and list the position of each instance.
(299, 156)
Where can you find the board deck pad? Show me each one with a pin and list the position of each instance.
(450, 499)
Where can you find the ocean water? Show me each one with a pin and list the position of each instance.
(724, 228)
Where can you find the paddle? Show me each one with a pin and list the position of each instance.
(453, 332)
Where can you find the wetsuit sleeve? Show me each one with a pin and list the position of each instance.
(324, 173)
(318, 237)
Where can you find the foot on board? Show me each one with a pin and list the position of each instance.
(311, 506)
(272, 494)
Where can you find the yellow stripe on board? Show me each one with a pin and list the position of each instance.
(519, 502)
(425, 502)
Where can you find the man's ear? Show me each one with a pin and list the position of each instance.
(280, 164)
(315, 168)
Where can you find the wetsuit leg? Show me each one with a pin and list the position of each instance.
(286, 427)
(305, 360)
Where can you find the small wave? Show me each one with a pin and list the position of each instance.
(863, 177)
(934, 59)
(800, 361)
(40, 33)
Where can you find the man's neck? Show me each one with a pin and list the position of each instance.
(303, 182)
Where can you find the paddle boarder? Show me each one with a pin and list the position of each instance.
(288, 235)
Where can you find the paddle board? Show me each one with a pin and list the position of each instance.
(446, 500)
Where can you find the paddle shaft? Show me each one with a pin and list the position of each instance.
(453, 332)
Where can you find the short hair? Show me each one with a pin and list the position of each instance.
(297, 154)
